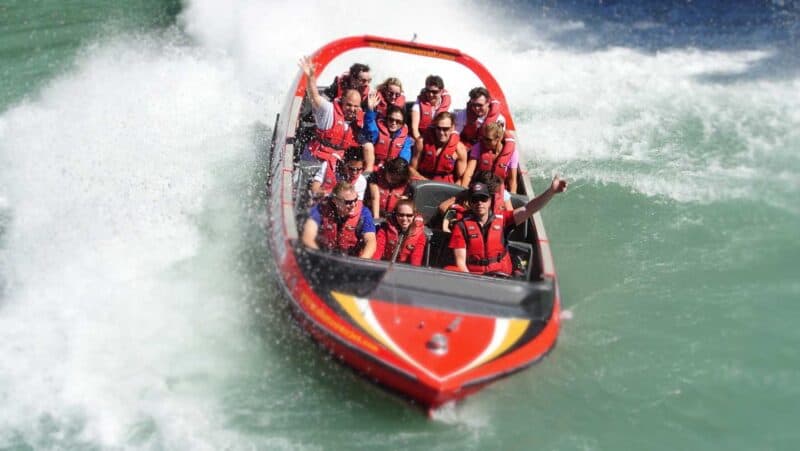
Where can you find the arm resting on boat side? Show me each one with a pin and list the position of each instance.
(370, 244)
(461, 259)
(521, 214)
(310, 229)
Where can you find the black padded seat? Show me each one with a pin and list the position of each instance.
(428, 195)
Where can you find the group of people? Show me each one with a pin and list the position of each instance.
(370, 153)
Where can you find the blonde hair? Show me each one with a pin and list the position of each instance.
(493, 130)
(391, 81)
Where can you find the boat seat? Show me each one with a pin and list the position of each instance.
(428, 194)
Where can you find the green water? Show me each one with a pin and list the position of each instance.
(137, 304)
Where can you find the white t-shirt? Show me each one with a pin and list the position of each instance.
(323, 116)
(360, 185)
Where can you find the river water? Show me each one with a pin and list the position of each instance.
(137, 301)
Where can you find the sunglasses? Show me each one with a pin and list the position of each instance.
(477, 105)
(404, 215)
(365, 80)
(391, 120)
(355, 168)
(480, 198)
(433, 91)
(443, 129)
(392, 94)
(349, 203)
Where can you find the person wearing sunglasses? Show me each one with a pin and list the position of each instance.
(432, 100)
(481, 110)
(338, 123)
(341, 223)
(402, 237)
(358, 78)
(495, 152)
(454, 208)
(479, 239)
(387, 186)
(350, 169)
(390, 92)
(388, 137)
(443, 157)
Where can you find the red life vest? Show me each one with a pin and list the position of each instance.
(390, 195)
(341, 87)
(387, 147)
(339, 236)
(426, 110)
(439, 167)
(380, 108)
(471, 132)
(486, 253)
(497, 163)
(415, 238)
(329, 145)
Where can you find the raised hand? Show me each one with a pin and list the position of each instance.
(558, 185)
(372, 100)
(307, 66)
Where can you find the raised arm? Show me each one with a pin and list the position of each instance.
(311, 82)
(521, 214)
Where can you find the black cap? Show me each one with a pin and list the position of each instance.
(479, 190)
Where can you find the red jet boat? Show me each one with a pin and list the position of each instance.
(429, 334)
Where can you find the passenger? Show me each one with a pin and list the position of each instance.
(402, 237)
(453, 209)
(443, 156)
(387, 186)
(479, 240)
(495, 152)
(390, 92)
(388, 136)
(338, 123)
(358, 78)
(432, 100)
(341, 223)
(350, 170)
(481, 109)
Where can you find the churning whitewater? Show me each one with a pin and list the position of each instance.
(136, 305)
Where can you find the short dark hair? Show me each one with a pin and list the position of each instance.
(434, 80)
(399, 167)
(395, 109)
(355, 153)
(488, 178)
(357, 68)
(474, 93)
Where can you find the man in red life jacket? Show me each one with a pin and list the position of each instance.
(495, 152)
(443, 157)
(358, 78)
(340, 223)
(432, 100)
(402, 237)
(387, 186)
(479, 239)
(350, 169)
(481, 109)
(338, 123)
(454, 208)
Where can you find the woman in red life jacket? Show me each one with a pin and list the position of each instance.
(481, 110)
(390, 92)
(387, 186)
(358, 78)
(443, 157)
(350, 169)
(338, 122)
(388, 137)
(402, 237)
(340, 223)
(495, 152)
(479, 239)
(432, 100)
(453, 208)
